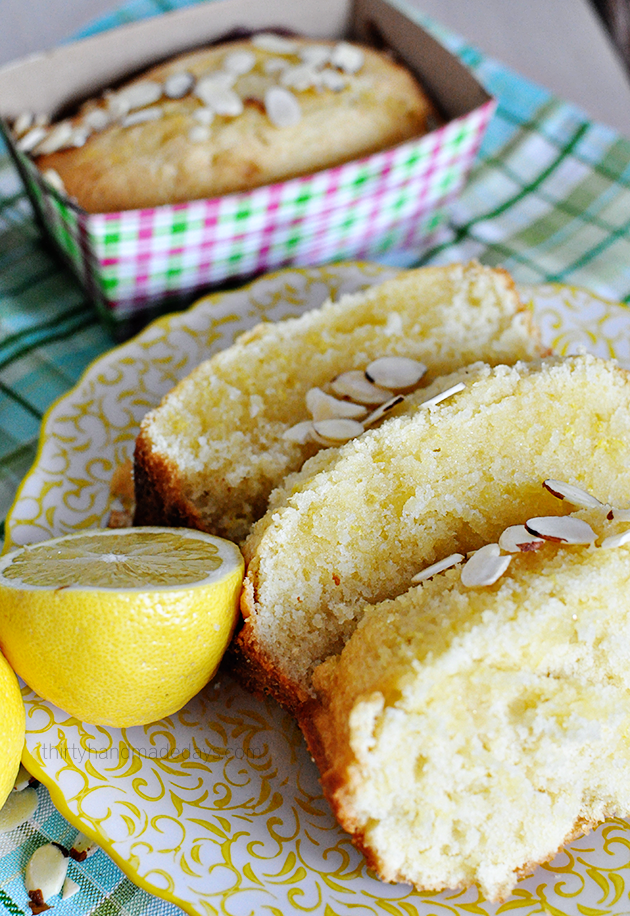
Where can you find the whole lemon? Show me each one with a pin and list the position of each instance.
(12, 725)
(118, 626)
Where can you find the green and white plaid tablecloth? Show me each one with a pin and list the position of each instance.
(549, 199)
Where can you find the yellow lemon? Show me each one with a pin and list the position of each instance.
(120, 626)
(12, 724)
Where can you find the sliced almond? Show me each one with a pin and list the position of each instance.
(383, 410)
(574, 495)
(355, 385)
(429, 571)
(18, 809)
(254, 86)
(239, 62)
(80, 136)
(315, 55)
(22, 780)
(447, 393)
(622, 515)
(214, 78)
(69, 889)
(23, 123)
(203, 115)
(395, 372)
(517, 539)
(485, 566)
(143, 116)
(562, 529)
(116, 106)
(333, 80)
(30, 140)
(177, 85)
(96, 119)
(322, 406)
(82, 848)
(300, 78)
(227, 104)
(282, 107)
(221, 99)
(275, 44)
(59, 137)
(347, 57)
(45, 873)
(300, 433)
(617, 540)
(146, 92)
(336, 432)
(55, 180)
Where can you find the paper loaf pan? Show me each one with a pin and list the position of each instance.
(134, 264)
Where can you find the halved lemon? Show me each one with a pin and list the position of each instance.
(11, 728)
(120, 626)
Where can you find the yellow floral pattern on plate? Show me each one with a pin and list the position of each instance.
(218, 808)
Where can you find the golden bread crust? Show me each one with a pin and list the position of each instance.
(166, 161)
(158, 492)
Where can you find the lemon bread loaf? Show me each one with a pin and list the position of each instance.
(464, 734)
(357, 522)
(230, 118)
(210, 454)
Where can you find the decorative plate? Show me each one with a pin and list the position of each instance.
(218, 808)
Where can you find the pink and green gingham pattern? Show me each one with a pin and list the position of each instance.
(131, 260)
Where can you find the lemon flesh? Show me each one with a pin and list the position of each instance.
(120, 627)
(12, 725)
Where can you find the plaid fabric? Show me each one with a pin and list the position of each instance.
(549, 198)
(103, 889)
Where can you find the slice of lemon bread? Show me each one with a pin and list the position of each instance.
(357, 522)
(464, 734)
(210, 454)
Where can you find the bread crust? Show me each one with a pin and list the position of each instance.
(169, 160)
(246, 660)
(159, 498)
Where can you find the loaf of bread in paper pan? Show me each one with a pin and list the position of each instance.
(202, 125)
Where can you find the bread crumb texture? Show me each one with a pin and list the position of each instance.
(356, 523)
(464, 735)
(212, 452)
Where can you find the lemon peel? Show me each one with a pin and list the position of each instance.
(12, 726)
(120, 627)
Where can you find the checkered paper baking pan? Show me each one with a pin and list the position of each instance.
(392, 199)
(136, 263)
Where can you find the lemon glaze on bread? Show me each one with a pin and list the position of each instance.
(356, 523)
(177, 157)
(211, 453)
(463, 735)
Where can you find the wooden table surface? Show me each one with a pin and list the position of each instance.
(560, 44)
